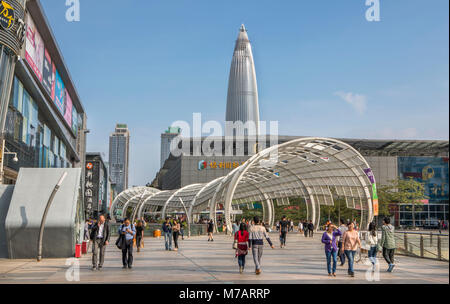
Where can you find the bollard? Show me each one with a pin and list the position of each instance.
(405, 241)
(421, 246)
(431, 239)
(439, 248)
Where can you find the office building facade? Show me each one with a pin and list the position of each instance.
(119, 149)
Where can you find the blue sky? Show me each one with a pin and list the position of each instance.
(322, 69)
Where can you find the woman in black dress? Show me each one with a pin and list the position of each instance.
(139, 235)
(210, 230)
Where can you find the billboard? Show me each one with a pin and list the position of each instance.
(34, 50)
(68, 112)
(74, 120)
(59, 93)
(48, 75)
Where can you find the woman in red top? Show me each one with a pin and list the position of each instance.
(242, 247)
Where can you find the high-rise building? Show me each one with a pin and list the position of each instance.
(166, 140)
(119, 150)
(242, 99)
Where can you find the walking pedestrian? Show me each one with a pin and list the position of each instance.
(351, 242)
(100, 239)
(284, 228)
(342, 228)
(242, 237)
(311, 228)
(305, 228)
(176, 233)
(291, 222)
(300, 226)
(139, 235)
(372, 241)
(235, 227)
(388, 243)
(129, 231)
(183, 226)
(329, 239)
(256, 244)
(167, 230)
(210, 230)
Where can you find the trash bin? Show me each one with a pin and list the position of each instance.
(84, 247)
(78, 250)
(157, 233)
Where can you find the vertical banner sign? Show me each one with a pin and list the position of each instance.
(48, 75)
(74, 120)
(34, 50)
(89, 187)
(371, 177)
(68, 113)
(369, 174)
(59, 93)
(375, 199)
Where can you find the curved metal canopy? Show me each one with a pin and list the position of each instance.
(316, 169)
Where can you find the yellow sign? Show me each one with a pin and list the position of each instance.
(218, 165)
(427, 173)
(7, 16)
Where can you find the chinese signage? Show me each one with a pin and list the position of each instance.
(91, 186)
(218, 165)
(7, 16)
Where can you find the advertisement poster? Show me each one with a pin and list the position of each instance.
(59, 93)
(370, 175)
(68, 114)
(74, 120)
(375, 200)
(34, 51)
(48, 75)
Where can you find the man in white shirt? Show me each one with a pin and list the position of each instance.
(100, 239)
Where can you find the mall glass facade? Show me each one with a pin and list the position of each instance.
(26, 133)
(433, 172)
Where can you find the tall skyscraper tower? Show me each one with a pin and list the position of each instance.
(119, 150)
(242, 99)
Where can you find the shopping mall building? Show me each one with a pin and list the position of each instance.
(424, 160)
(45, 122)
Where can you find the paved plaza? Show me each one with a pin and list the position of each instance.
(199, 261)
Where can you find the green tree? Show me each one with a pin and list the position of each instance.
(401, 191)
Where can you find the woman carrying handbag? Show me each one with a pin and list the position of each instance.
(241, 245)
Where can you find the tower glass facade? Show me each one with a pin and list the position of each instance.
(242, 98)
(119, 146)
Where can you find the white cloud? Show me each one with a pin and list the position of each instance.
(357, 101)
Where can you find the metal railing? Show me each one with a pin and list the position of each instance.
(422, 244)
(427, 245)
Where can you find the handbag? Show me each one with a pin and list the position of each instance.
(120, 240)
(235, 244)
